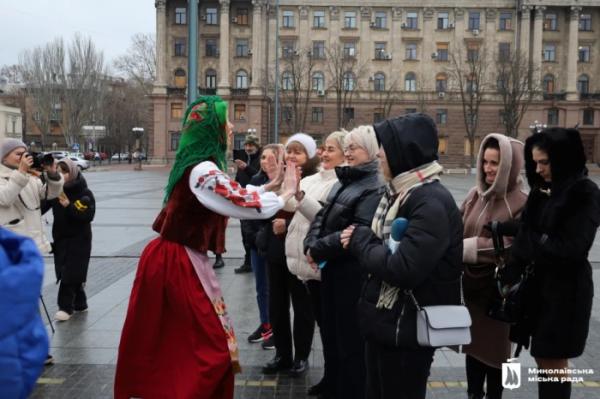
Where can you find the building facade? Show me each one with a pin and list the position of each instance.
(11, 122)
(401, 60)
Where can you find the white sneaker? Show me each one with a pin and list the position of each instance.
(61, 315)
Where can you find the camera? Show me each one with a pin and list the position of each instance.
(40, 160)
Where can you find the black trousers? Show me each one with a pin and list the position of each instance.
(283, 285)
(246, 242)
(394, 373)
(314, 289)
(343, 346)
(477, 373)
(71, 297)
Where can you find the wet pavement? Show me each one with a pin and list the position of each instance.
(85, 347)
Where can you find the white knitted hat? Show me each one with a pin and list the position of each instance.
(9, 144)
(307, 142)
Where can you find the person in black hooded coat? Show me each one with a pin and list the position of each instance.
(72, 234)
(428, 262)
(557, 230)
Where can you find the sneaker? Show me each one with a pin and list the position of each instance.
(269, 343)
(61, 315)
(245, 268)
(49, 360)
(260, 334)
(218, 263)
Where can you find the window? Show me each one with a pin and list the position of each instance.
(584, 53)
(476, 143)
(180, 16)
(550, 22)
(549, 52)
(583, 84)
(471, 85)
(441, 116)
(288, 19)
(585, 22)
(588, 116)
(349, 81)
(176, 110)
(211, 79)
(318, 81)
(474, 20)
(180, 47)
(442, 52)
(211, 16)
(175, 137)
(501, 84)
(241, 16)
(241, 79)
(318, 50)
(288, 48)
(211, 49)
(380, 19)
(350, 20)
(379, 82)
(286, 113)
(411, 51)
(349, 50)
(441, 83)
(319, 19)
(378, 115)
(317, 115)
(348, 114)
(503, 51)
(287, 81)
(241, 47)
(472, 52)
(412, 20)
(180, 80)
(553, 117)
(548, 84)
(410, 82)
(380, 53)
(442, 145)
(442, 20)
(506, 20)
(239, 112)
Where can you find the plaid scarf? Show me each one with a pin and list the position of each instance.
(396, 193)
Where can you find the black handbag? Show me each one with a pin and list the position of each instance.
(507, 304)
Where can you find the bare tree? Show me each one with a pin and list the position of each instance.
(11, 73)
(387, 98)
(516, 88)
(296, 87)
(421, 94)
(468, 71)
(139, 63)
(344, 75)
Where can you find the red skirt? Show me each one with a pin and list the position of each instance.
(173, 344)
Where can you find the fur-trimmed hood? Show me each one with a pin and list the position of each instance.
(508, 177)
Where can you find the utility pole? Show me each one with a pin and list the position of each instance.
(192, 86)
(276, 127)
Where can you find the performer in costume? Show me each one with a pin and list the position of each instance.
(177, 341)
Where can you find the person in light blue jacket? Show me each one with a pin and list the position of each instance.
(23, 338)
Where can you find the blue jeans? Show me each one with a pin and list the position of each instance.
(262, 285)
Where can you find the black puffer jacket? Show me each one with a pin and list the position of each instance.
(72, 231)
(251, 227)
(244, 176)
(429, 261)
(352, 200)
(557, 231)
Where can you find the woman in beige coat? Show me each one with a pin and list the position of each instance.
(497, 196)
(309, 201)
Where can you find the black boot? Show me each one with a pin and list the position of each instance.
(554, 390)
(218, 262)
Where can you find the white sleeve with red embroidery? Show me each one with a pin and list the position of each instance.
(219, 193)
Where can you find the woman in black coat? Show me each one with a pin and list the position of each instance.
(558, 227)
(72, 234)
(352, 200)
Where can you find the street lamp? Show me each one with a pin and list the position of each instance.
(537, 127)
(138, 132)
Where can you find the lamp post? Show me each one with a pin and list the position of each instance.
(537, 127)
(138, 133)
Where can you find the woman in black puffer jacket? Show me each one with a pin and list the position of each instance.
(352, 200)
(557, 230)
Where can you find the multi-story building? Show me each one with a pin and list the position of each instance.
(11, 122)
(401, 54)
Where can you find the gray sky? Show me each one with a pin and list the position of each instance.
(25, 24)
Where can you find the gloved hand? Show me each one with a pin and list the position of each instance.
(509, 228)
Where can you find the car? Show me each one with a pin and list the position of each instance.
(124, 156)
(59, 154)
(81, 163)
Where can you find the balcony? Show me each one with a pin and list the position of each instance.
(202, 91)
(555, 96)
(176, 91)
(589, 96)
(239, 92)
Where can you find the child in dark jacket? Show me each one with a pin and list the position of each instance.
(72, 234)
